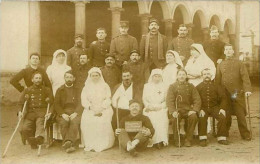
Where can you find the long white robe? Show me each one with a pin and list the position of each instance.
(154, 96)
(169, 74)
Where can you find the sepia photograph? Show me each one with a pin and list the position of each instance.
(129, 81)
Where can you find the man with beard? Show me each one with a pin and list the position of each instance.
(81, 71)
(182, 44)
(137, 68)
(232, 74)
(213, 103)
(214, 47)
(123, 93)
(26, 74)
(123, 44)
(98, 49)
(68, 107)
(153, 46)
(188, 105)
(74, 52)
(111, 73)
(133, 139)
(37, 96)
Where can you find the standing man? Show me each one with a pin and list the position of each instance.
(98, 49)
(153, 46)
(232, 74)
(111, 73)
(26, 74)
(68, 107)
(213, 103)
(214, 47)
(81, 71)
(74, 52)
(188, 105)
(123, 44)
(182, 44)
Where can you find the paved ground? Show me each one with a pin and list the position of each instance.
(238, 151)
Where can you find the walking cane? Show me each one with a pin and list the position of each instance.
(16, 128)
(44, 126)
(248, 111)
(117, 121)
(178, 130)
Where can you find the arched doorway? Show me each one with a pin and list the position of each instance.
(215, 21)
(180, 16)
(97, 15)
(198, 24)
(57, 28)
(156, 12)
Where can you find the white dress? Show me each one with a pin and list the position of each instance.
(96, 132)
(154, 95)
(169, 74)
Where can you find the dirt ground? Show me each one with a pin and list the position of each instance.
(239, 151)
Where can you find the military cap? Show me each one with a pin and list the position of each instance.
(110, 55)
(153, 20)
(134, 51)
(79, 36)
(124, 23)
(213, 27)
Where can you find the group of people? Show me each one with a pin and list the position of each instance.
(131, 93)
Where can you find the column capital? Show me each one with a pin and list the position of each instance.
(82, 2)
(116, 9)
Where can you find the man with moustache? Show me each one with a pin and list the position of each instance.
(214, 47)
(188, 105)
(123, 44)
(81, 71)
(37, 96)
(74, 52)
(68, 108)
(111, 73)
(213, 103)
(26, 74)
(153, 46)
(182, 44)
(123, 93)
(135, 139)
(233, 75)
(98, 49)
(137, 68)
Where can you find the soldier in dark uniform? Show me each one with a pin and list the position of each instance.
(111, 73)
(98, 49)
(123, 44)
(67, 104)
(232, 74)
(214, 47)
(213, 103)
(38, 96)
(153, 46)
(182, 44)
(74, 52)
(137, 68)
(188, 105)
(26, 74)
(81, 71)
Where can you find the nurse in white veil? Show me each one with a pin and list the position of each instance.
(96, 129)
(154, 99)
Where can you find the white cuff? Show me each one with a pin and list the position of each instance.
(203, 137)
(222, 138)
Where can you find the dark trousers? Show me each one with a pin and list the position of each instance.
(221, 126)
(124, 138)
(33, 127)
(121, 114)
(69, 129)
(191, 123)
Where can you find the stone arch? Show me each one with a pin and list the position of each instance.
(185, 12)
(231, 27)
(202, 17)
(165, 8)
(214, 20)
(199, 22)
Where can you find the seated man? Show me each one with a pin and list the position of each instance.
(68, 107)
(188, 104)
(134, 138)
(37, 96)
(214, 103)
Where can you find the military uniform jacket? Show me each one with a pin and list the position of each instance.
(26, 74)
(36, 104)
(97, 53)
(190, 98)
(214, 49)
(73, 56)
(81, 74)
(111, 75)
(212, 96)
(122, 45)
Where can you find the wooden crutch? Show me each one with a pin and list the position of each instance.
(117, 121)
(16, 128)
(178, 130)
(248, 111)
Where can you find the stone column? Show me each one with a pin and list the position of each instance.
(116, 14)
(190, 26)
(168, 23)
(232, 39)
(34, 28)
(237, 42)
(222, 36)
(80, 23)
(205, 33)
(145, 23)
